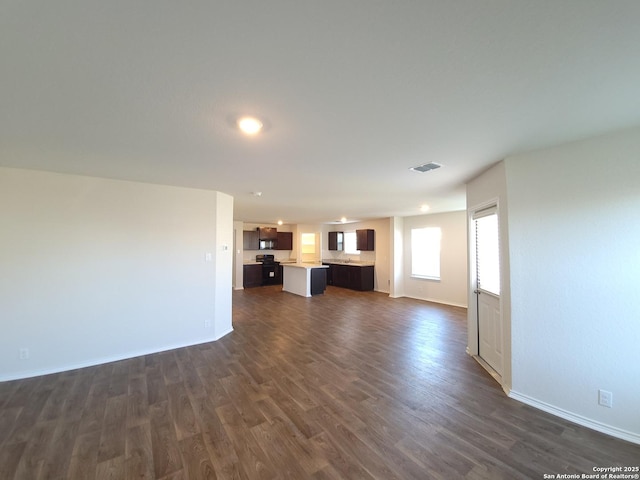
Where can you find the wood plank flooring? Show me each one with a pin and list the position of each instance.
(347, 385)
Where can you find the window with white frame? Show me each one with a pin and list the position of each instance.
(351, 243)
(425, 252)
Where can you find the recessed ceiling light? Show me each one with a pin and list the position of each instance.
(249, 125)
(279, 222)
(343, 219)
(424, 208)
(256, 194)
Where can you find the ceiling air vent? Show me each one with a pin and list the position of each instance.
(426, 167)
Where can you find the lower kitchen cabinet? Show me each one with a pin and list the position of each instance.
(329, 272)
(351, 276)
(318, 280)
(252, 276)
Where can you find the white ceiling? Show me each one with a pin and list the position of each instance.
(354, 93)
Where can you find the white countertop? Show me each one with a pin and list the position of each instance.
(305, 265)
(352, 263)
(281, 262)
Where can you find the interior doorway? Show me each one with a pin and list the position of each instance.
(310, 251)
(487, 287)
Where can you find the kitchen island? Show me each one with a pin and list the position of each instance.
(305, 279)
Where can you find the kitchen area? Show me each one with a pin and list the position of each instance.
(305, 259)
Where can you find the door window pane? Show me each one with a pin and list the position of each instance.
(488, 253)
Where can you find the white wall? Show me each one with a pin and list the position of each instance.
(396, 246)
(451, 289)
(238, 255)
(223, 265)
(95, 270)
(574, 235)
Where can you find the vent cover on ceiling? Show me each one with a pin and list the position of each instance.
(426, 167)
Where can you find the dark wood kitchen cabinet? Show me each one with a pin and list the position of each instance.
(252, 276)
(365, 240)
(329, 272)
(351, 276)
(336, 241)
(318, 280)
(340, 275)
(268, 233)
(250, 240)
(285, 241)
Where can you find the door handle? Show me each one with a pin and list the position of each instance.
(477, 292)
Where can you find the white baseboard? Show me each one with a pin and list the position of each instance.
(433, 300)
(226, 332)
(579, 419)
(102, 360)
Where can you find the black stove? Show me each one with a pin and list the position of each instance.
(270, 269)
(266, 259)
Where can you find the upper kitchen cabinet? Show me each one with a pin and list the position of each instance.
(365, 239)
(336, 241)
(285, 241)
(268, 233)
(250, 240)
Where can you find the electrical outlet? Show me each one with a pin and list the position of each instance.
(24, 353)
(605, 398)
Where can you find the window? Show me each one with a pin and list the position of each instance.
(425, 252)
(487, 250)
(351, 243)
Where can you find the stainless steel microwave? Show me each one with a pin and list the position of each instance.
(268, 244)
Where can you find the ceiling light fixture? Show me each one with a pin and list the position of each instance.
(279, 222)
(424, 208)
(343, 219)
(249, 125)
(256, 194)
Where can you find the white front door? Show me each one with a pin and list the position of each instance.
(490, 330)
(487, 239)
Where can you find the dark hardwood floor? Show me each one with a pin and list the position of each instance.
(348, 385)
